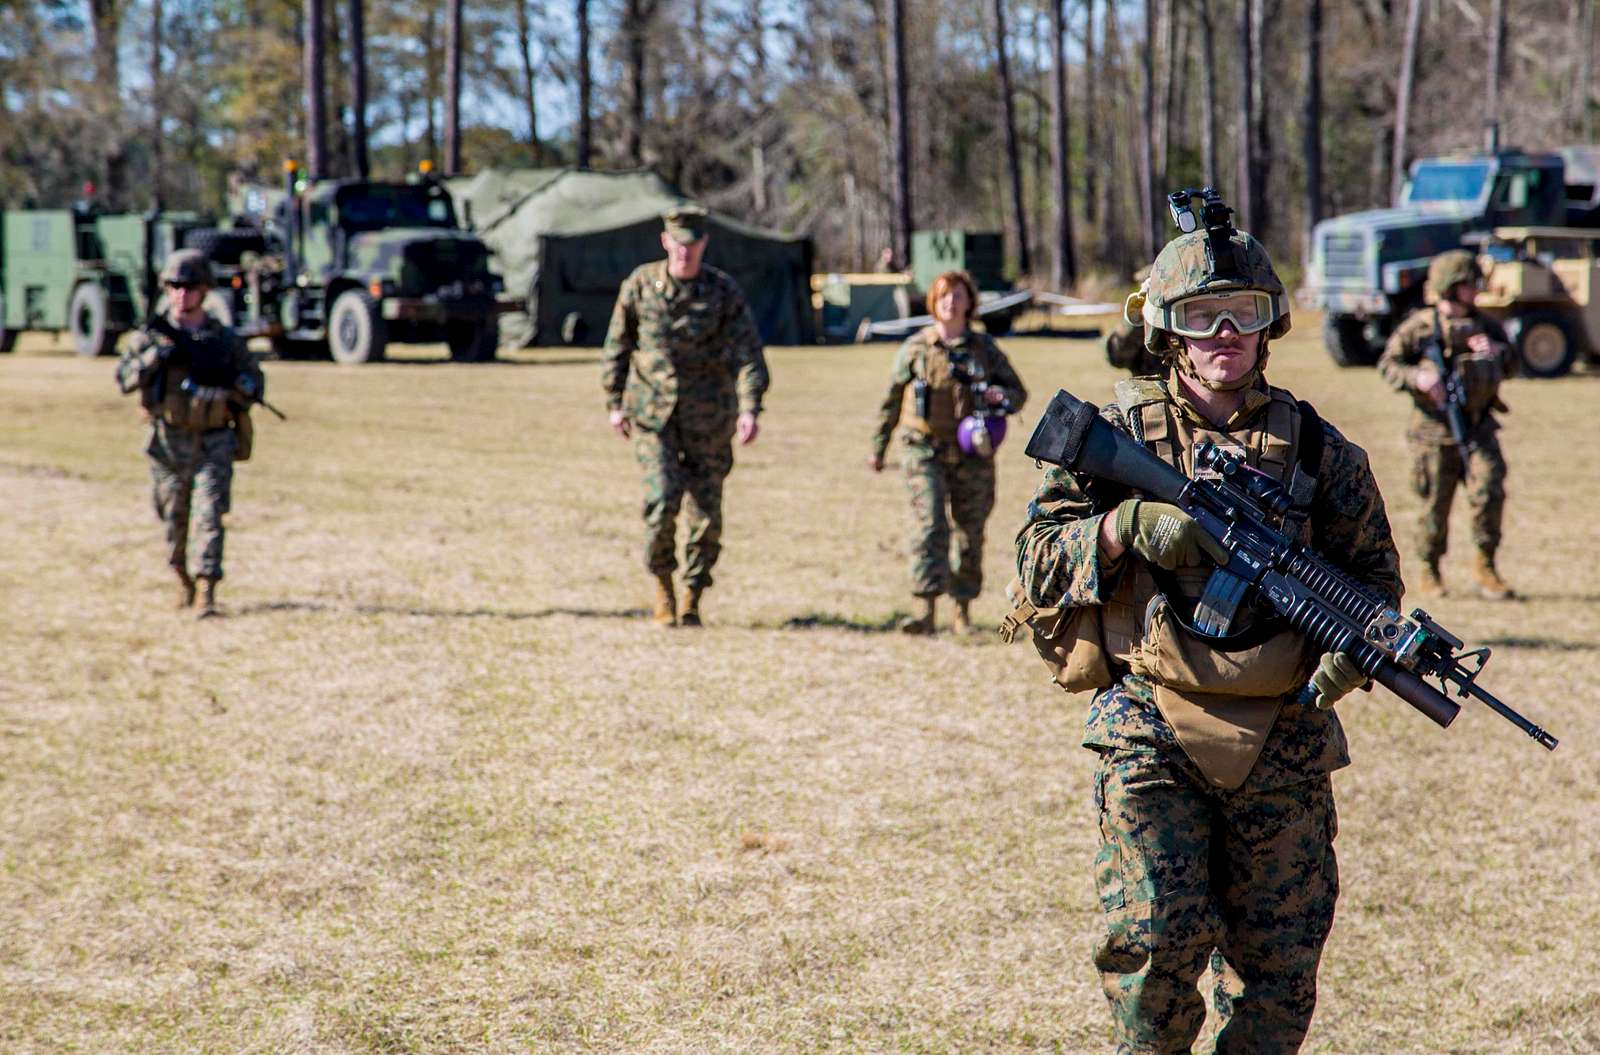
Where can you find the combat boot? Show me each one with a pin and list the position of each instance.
(665, 612)
(1490, 585)
(208, 597)
(689, 615)
(923, 624)
(962, 623)
(185, 588)
(1428, 583)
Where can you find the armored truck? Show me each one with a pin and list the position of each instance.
(89, 273)
(343, 267)
(1368, 268)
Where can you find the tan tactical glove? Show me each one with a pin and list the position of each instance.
(1336, 677)
(1165, 535)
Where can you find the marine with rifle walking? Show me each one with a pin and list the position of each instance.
(683, 375)
(1451, 359)
(1216, 811)
(196, 382)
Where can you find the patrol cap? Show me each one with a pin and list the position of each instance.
(187, 266)
(686, 224)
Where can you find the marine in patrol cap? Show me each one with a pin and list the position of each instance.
(189, 267)
(685, 224)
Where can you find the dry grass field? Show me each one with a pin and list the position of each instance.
(434, 785)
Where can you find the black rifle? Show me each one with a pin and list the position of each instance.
(1300, 586)
(205, 367)
(1455, 393)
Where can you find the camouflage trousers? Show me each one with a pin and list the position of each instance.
(966, 487)
(193, 477)
(684, 460)
(1436, 473)
(1190, 877)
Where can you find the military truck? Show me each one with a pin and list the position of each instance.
(344, 267)
(1543, 284)
(1368, 268)
(89, 273)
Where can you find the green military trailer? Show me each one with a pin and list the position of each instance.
(89, 273)
(344, 267)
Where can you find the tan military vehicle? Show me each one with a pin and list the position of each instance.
(1543, 284)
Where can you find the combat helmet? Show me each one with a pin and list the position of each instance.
(187, 266)
(1209, 265)
(1450, 269)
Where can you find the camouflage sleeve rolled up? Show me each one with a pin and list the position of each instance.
(622, 338)
(889, 411)
(1510, 361)
(1349, 524)
(1058, 549)
(745, 353)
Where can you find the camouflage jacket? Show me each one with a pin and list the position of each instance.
(1481, 374)
(169, 379)
(1060, 563)
(922, 348)
(688, 342)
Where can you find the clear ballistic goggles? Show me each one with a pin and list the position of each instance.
(1202, 315)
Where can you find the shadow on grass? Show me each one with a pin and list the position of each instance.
(890, 625)
(1542, 644)
(440, 613)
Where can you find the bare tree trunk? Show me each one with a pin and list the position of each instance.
(315, 93)
(157, 110)
(1149, 222)
(1402, 106)
(1497, 61)
(899, 135)
(1168, 65)
(1091, 120)
(585, 144)
(105, 17)
(358, 90)
(1063, 265)
(452, 87)
(1245, 196)
(338, 131)
(1115, 79)
(1261, 145)
(1586, 72)
(525, 53)
(1311, 122)
(636, 15)
(1208, 95)
(430, 92)
(1008, 118)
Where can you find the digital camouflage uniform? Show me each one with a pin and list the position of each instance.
(938, 474)
(1189, 875)
(191, 466)
(1435, 459)
(683, 360)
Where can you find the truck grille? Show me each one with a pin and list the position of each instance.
(1344, 257)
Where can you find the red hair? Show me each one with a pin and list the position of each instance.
(941, 286)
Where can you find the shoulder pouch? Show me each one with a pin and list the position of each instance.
(1070, 640)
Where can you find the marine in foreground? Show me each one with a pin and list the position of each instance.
(196, 381)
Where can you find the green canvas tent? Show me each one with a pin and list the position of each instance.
(566, 239)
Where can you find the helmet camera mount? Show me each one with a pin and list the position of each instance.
(1216, 216)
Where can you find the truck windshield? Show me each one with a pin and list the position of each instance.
(375, 207)
(1447, 183)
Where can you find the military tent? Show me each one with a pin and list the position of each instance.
(565, 239)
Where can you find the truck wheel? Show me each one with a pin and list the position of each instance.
(89, 320)
(1346, 340)
(472, 342)
(356, 332)
(8, 337)
(1544, 340)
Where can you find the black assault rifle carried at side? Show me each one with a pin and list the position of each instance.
(1455, 392)
(204, 368)
(1267, 567)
